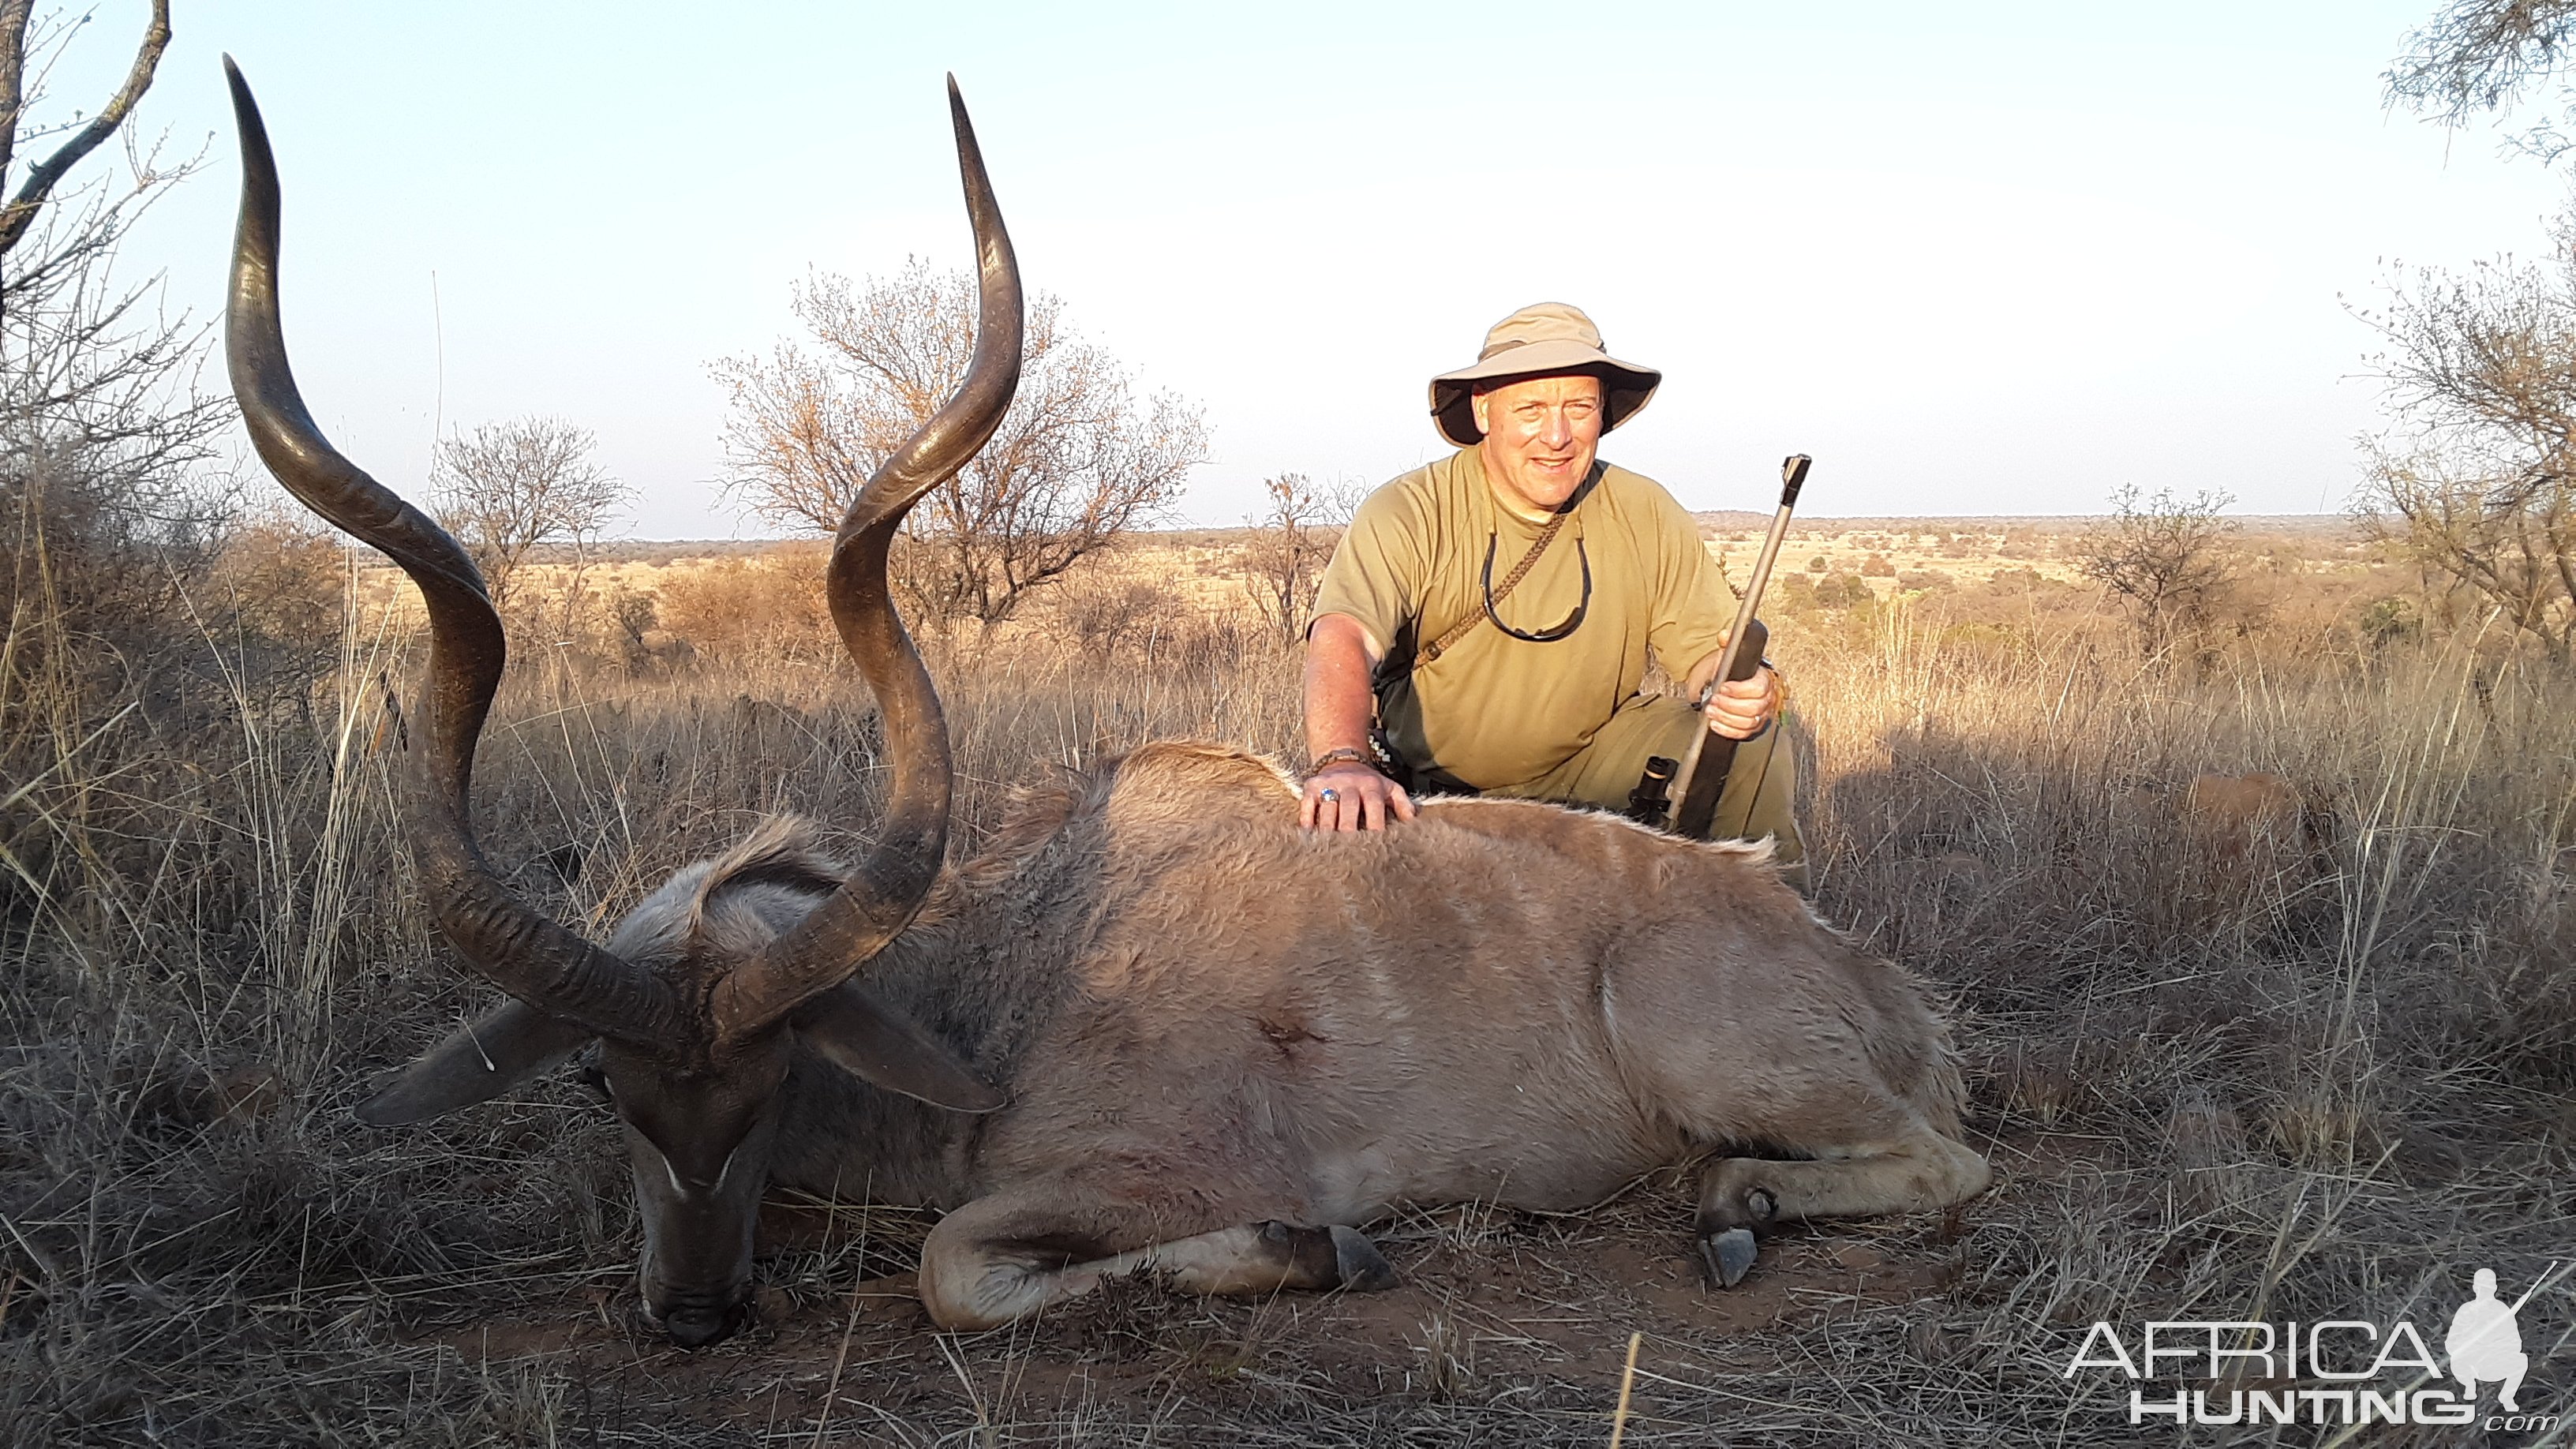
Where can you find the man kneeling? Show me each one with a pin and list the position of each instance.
(1487, 621)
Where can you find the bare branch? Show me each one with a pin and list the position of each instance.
(514, 488)
(2166, 559)
(2477, 485)
(2476, 55)
(21, 210)
(14, 15)
(1291, 539)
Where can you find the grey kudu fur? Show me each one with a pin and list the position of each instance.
(1222, 1044)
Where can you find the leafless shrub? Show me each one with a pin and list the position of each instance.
(1840, 590)
(512, 489)
(1291, 539)
(100, 424)
(1204, 644)
(107, 526)
(279, 581)
(2166, 560)
(1078, 461)
(737, 606)
(1102, 611)
(643, 645)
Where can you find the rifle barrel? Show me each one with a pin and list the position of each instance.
(1705, 764)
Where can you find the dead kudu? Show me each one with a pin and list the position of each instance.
(1157, 1026)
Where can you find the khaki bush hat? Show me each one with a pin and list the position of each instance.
(1543, 340)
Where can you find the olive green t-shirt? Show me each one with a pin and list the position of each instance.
(1494, 711)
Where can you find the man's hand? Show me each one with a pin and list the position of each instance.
(1345, 794)
(1351, 796)
(1744, 708)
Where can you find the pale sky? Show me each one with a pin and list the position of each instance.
(1976, 258)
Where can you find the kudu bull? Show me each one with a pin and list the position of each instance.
(1156, 1026)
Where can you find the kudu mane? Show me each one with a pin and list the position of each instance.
(727, 907)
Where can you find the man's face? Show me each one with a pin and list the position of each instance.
(1539, 437)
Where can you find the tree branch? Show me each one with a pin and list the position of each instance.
(20, 213)
(13, 74)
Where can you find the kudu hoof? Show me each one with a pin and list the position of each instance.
(1363, 1268)
(1726, 1257)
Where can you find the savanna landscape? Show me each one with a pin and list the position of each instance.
(2258, 951)
(2238, 849)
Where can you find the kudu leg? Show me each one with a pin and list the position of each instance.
(1004, 1257)
(1742, 1197)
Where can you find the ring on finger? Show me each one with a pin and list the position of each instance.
(1330, 796)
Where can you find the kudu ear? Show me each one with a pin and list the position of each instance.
(508, 1046)
(859, 1033)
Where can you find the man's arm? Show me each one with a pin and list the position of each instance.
(1741, 708)
(1341, 709)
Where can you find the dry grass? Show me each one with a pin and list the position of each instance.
(2322, 1072)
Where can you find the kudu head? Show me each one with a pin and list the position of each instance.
(695, 1035)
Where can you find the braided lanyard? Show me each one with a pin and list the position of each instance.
(1495, 594)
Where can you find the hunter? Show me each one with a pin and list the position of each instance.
(1486, 623)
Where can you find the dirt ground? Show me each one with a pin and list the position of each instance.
(1515, 1321)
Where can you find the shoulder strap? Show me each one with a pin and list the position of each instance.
(1502, 591)
(1520, 571)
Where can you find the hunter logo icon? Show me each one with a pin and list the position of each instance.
(2485, 1343)
(2354, 1371)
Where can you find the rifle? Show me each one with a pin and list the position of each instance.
(1704, 765)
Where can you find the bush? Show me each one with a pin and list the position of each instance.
(2166, 561)
(1841, 591)
(1100, 612)
(2390, 619)
(772, 602)
(1876, 566)
(281, 583)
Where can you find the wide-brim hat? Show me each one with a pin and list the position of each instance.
(1548, 339)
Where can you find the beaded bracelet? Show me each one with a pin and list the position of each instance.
(1352, 753)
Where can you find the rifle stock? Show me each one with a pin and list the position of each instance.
(1707, 780)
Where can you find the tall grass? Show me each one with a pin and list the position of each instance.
(2305, 1070)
